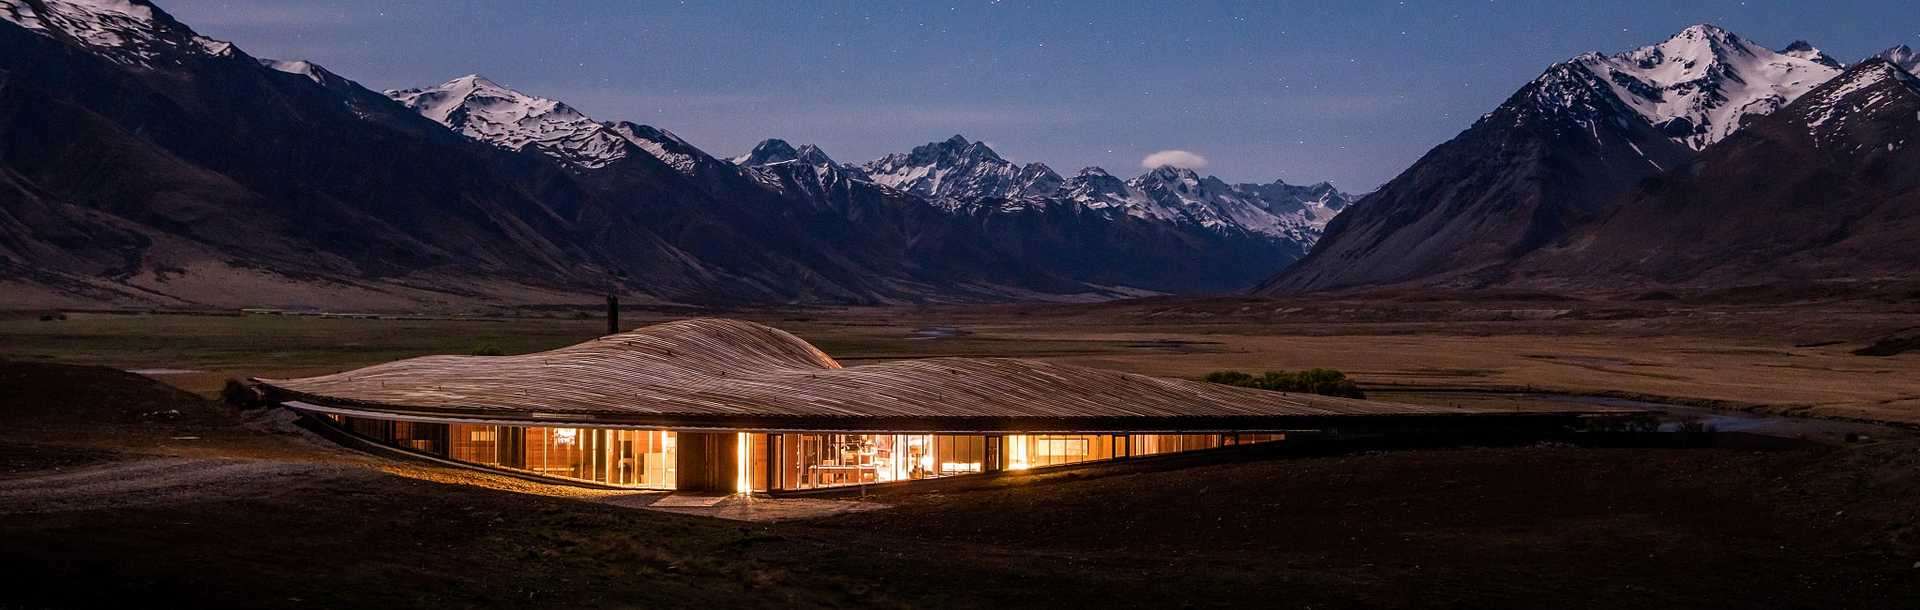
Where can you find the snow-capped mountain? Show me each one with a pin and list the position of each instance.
(774, 151)
(1568, 150)
(1802, 49)
(780, 166)
(677, 153)
(955, 175)
(303, 67)
(1902, 56)
(767, 152)
(960, 175)
(487, 111)
(974, 178)
(1276, 209)
(1558, 151)
(484, 110)
(1096, 189)
(1704, 83)
(956, 172)
(122, 31)
(1821, 192)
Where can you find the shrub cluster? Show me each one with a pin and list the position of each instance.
(1327, 382)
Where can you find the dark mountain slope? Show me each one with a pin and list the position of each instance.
(1558, 153)
(1550, 157)
(143, 163)
(1825, 190)
(246, 165)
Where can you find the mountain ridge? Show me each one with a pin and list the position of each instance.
(1556, 154)
(218, 178)
(1825, 191)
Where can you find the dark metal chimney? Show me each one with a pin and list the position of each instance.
(613, 314)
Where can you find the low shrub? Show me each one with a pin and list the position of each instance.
(1327, 382)
(488, 349)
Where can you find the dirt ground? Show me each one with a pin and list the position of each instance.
(107, 504)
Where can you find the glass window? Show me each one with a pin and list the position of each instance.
(809, 461)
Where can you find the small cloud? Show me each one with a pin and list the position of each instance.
(1177, 158)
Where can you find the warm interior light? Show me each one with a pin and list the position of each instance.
(743, 480)
(1017, 452)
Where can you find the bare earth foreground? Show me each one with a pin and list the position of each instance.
(119, 490)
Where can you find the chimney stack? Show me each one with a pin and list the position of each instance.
(613, 314)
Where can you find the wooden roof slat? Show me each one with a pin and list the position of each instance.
(722, 367)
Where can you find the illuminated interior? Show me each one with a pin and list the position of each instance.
(810, 461)
(619, 457)
(754, 462)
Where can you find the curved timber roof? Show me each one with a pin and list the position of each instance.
(731, 372)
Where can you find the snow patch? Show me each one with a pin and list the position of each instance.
(121, 31)
(486, 111)
(1703, 84)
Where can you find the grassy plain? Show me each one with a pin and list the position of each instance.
(1794, 358)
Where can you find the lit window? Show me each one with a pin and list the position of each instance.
(1061, 447)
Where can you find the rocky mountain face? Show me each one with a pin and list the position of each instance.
(483, 110)
(1705, 83)
(955, 173)
(967, 207)
(1557, 154)
(969, 177)
(960, 190)
(144, 163)
(1826, 190)
(124, 32)
(1277, 209)
(1801, 49)
(1051, 236)
(1901, 55)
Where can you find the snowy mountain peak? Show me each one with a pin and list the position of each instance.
(1704, 32)
(1805, 50)
(294, 66)
(776, 151)
(677, 153)
(956, 172)
(767, 152)
(1902, 56)
(312, 71)
(1704, 83)
(490, 112)
(958, 146)
(1276, 209)
(813, 155)
(1170, 174)
(124, 31)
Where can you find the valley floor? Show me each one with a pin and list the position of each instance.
(160, 499)
(117, 489)
(1796, 359)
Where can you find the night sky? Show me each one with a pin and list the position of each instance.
(1351, 92)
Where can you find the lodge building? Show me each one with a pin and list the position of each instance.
(733, 406)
